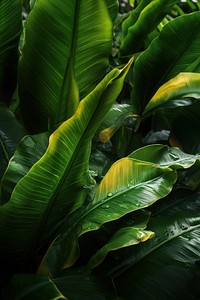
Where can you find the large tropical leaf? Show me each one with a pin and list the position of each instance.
(184, 85)
(65, 54)
(174, 51)
(128, 186)
(136, 28)
(58, 183)
(10, 28)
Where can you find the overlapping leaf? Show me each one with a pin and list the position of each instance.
(76, 39)
(29, 151)
(11, 132)
(141, 22)
(174, 51)
(128, 186)
(165, 156)
(57, 184)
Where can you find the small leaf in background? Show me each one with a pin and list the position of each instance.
(28, 152)
(11, 132)
(125, 237)
(10, 29)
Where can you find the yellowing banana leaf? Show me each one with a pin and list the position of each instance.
(137, 27)
(125, 237)
(67, 45)
(165, 156)
(128, 186)
(174, 51)
(181, 86)
(166, 265)
(10, 28)
(57, 184)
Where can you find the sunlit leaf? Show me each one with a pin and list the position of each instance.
(10, 28)
(128, 186)
(174, 51)
(184, 85)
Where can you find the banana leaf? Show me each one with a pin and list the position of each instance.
(24, 287)
(11, 132)
(128, 186)
(174, 51)
(28, 152)
(165, 267)
(58, 183)
(135, 31)
(125, 237)
(10, 29)
(65, 55)
(165, 156)
(184, 85)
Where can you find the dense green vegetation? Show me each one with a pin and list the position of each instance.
(99, 149)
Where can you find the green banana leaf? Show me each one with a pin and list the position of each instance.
(125, 237)
(24, 287)
(83, 287)
(28, 152)
(164, 156)
(128, 186)
(65, 55)
(165, 267)
(10, 28)
(11, 132)
(184, 85)
(58, 183)
(176, 48)
(135, 31)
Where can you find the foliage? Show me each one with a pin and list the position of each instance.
(100, 152)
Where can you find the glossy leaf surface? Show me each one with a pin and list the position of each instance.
(150, 15)
(29, 151)
(165, 156)
(76, 39)
(184, 85)
(11, 132)
(57, 184)
(174, 51)
(128, 186)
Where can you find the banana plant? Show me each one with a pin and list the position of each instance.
(84, 201)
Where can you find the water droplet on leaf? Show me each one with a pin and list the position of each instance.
(110, 194)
